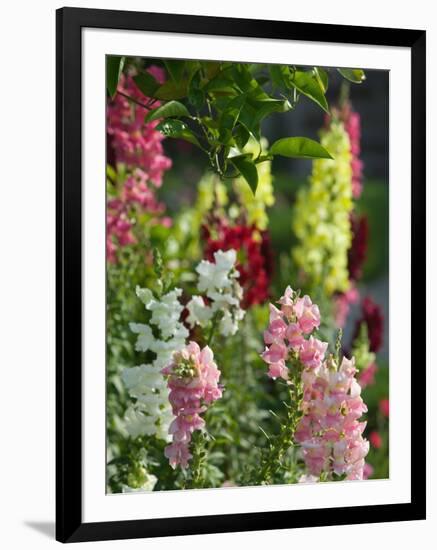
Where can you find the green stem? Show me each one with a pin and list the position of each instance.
(214, 322)
(198, 451)
(272, 463)
(149, 108)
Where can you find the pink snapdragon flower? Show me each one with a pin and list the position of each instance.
(367, 470)
(329, 431)
(136, 196)
(286, 332)
(312, 352)
(342, 304)
(139, 146)
(332, 406)
(193, 381)
(352, 124)
(384, 407)
(367, 375)
(135, 143)
(375, 439)
(307, 313)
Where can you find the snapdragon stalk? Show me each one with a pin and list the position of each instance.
(272, 461)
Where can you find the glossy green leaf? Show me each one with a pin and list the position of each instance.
(322, 78)
(247, 169)
(357, 76)
(146, 83)
(268, 106)
(168, 110)
(114, 67)
(307, 84)
(176, 129)
(299, 147)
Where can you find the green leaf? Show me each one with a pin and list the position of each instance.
(322, 78)
(111, 173)
(231, 113)
(241, 136)
(309, 86)
(176, 129)
(357, 76)
(168, 110)
(247, 84)
(299, 147)
(114, 67)
(146, 83)
(247, 169)
(268, 106)
(196, 96)
(172, 90)
(220, 84)
(281, 76)
(175, 68)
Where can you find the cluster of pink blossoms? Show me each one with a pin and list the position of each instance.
(352, 125)
(193, 381)
(138, 146)
(134, 142)
(328, 431)
(119, 223)
(286, 332)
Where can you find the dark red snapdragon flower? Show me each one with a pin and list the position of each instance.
(374, 319)
(358, 251)
(254, 256)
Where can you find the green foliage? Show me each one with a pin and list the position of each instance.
(309, 85)
(247, 169)
(357, 76)
(224, 104)
(178, 130)
(146, 83)
(114, 68)
(170, 109)
(299, 147)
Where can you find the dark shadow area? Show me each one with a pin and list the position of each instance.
(46, 528)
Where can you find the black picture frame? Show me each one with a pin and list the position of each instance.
(69, 24)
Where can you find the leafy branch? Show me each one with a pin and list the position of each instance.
(219, 106)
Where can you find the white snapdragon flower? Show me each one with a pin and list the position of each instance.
(229, 322)
(138, 423)
(144, 294)
(218, 280)
(199, 312)
(140, 377)
(150, 412)
(166, 312)
(217, 275)
(145, 336)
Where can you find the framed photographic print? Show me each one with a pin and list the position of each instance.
(240, 231)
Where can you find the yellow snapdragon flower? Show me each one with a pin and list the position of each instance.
(321, 215)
